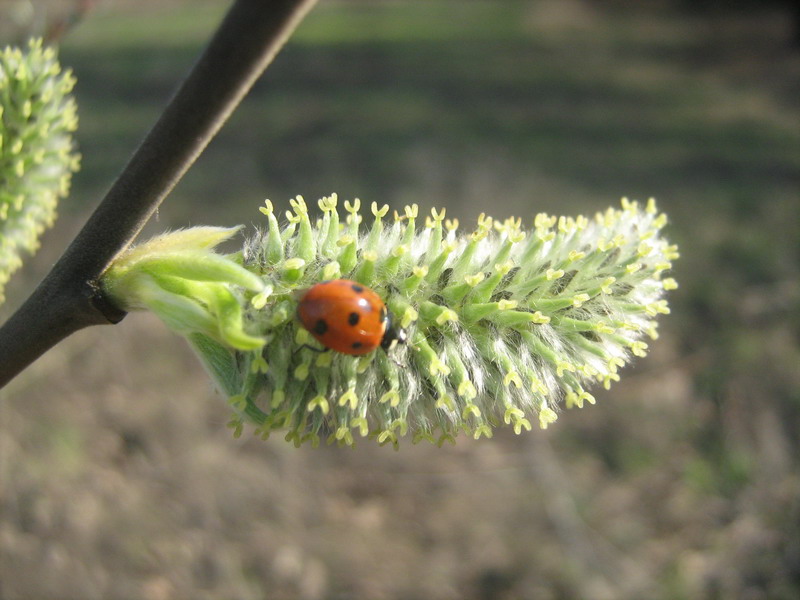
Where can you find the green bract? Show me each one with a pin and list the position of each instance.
(503, 322)
(37, 158)
(190, 287)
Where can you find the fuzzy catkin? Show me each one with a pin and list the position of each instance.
(503, 323)
(37, 156)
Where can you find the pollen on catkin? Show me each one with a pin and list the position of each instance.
(37, 152)
(505, 322)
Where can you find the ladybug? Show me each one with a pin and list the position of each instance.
(348, 317)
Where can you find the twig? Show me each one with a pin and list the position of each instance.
(68, 298)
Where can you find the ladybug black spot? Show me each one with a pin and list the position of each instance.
(357, 288)
(352, 319)
(320, 327)
(356, 345)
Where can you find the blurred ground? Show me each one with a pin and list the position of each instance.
(118, 478)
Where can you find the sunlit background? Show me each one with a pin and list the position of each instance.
(118, 478)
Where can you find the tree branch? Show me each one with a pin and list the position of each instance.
(68, 298)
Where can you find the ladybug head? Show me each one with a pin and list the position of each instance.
(392, 335)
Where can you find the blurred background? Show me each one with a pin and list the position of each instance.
(118, 477)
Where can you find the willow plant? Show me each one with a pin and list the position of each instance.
(505, 322)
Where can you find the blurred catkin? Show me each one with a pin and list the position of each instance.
(504, 322)
(37, 156)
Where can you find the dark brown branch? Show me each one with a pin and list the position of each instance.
(68, 299)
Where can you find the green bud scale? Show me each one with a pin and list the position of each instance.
(37, 156)
(504, 322)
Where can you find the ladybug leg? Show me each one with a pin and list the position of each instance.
(312, 348)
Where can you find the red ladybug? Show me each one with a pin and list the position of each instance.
(347, 317)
